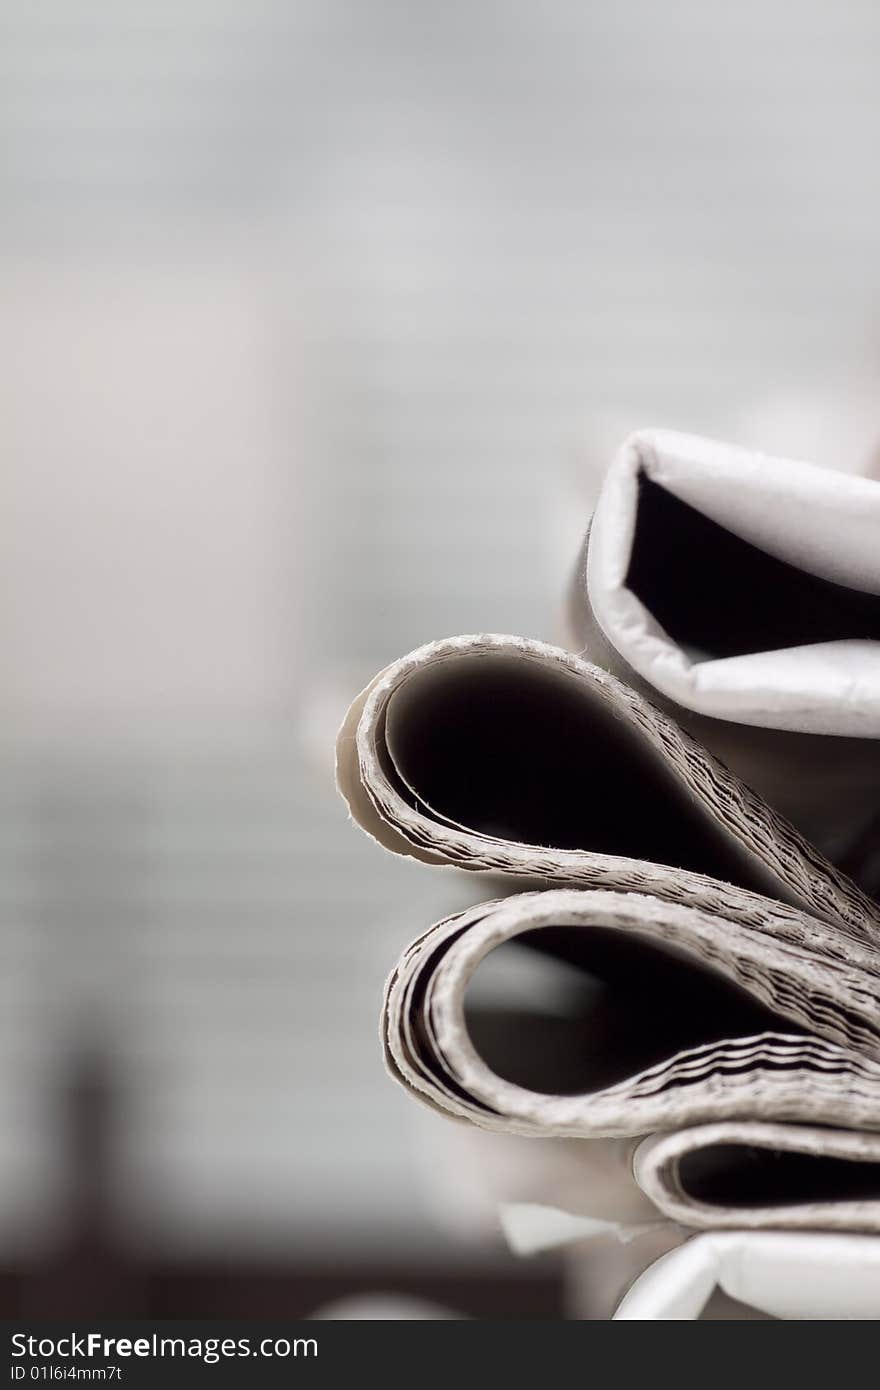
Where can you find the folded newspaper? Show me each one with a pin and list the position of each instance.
(740, 592)
(705, 979)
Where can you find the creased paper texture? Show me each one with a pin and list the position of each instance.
(740, 592)
(702, 1002)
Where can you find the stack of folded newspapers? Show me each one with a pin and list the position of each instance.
(678, 822)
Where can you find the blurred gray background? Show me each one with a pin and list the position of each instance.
(319, 322)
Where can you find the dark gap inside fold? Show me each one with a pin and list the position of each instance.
(505, 747)
(623, 1004)
(746, 1175)
(717, 595)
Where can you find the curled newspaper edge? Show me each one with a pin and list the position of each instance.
(740, 592)
(711, 1031)
(719, 968)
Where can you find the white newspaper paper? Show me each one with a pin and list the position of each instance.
(740, 592)
(719, 971)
